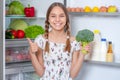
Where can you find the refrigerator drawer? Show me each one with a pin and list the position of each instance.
(17, 54)
(30, 76)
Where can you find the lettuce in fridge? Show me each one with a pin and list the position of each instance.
(33, 31)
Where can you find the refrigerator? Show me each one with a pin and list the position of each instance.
(15, 63)
(1, 41)
(16, 59)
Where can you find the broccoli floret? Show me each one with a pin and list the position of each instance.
(85, 36)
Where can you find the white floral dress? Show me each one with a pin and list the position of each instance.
(57, 63)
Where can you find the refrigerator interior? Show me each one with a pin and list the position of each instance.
(108, 25)
(17, 59)
(109, 28)
(23, 76)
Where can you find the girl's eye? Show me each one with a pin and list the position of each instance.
(62, 16)
(52, 16)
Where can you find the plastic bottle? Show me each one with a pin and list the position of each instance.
(109, 55)
(96, 46)
(103, 49)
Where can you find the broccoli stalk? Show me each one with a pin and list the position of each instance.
(84, 36)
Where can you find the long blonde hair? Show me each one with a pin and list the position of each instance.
(67, 27)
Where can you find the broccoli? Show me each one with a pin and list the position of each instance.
(85, 36)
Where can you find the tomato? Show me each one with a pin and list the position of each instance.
(14, 33)
(20, 34)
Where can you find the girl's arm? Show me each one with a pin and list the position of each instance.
(37, 62)
(76, 65)
(36, 57)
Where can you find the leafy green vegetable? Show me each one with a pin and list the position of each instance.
(85, 36)
(34, 30)
(17, 24)
(16, 8)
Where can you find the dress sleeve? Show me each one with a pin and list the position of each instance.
(40, 41)
(76, 45)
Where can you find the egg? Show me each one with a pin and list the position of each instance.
(103, 9)
(77, 9)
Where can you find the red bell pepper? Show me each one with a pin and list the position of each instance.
(29, 11)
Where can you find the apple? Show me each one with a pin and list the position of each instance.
(103, 9)
(112, 8)
(20, 34)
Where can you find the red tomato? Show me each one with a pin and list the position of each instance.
(14, 33)
(20, 34)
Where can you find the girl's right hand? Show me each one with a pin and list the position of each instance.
(33, 46)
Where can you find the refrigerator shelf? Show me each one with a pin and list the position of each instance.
(97, 14)
(14, 62)
(23, 17)
(17, 68)
(102, 63)
(17, 42)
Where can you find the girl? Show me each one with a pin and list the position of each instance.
(56, 54)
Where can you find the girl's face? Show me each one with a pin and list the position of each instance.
(57, 18)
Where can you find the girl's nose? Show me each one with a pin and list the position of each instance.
(57, 18)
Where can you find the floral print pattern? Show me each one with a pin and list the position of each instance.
(57, 63)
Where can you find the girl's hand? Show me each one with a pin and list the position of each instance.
(33, 46)
(85, 49)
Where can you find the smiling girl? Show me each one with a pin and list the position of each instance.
(56, 55)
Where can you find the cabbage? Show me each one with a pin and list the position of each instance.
(33, 31)
(16, 8)
(17, 24)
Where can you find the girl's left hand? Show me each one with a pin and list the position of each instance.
(85, 49)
